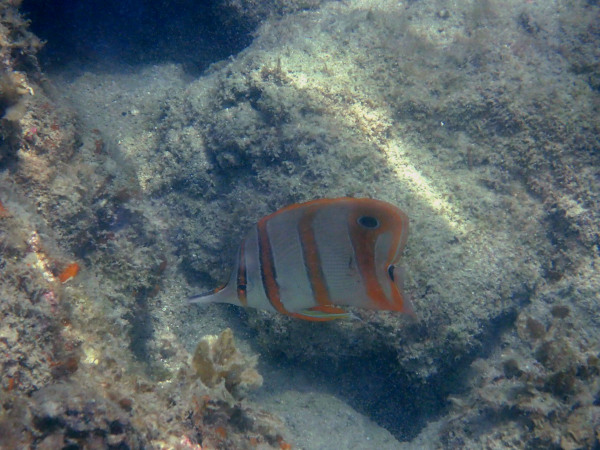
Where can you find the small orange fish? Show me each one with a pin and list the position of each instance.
(308, 259)
(3, 211)
(70, 271)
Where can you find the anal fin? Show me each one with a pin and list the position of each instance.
(324, 313)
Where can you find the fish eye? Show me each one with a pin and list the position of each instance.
(391, 271)
(368, 222)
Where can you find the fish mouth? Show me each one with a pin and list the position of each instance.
(396, 274)
(390, 271)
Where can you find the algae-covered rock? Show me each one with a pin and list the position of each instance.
(217, 361)
(457, 115)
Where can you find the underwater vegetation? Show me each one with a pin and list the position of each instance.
(126, 189)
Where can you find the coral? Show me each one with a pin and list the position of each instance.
(545, 399)
(36, 345)
(18, 46)
(67, 415)
(14, 90)
(18, 65)
(217, 361)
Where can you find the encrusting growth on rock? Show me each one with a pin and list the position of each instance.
(217, 360)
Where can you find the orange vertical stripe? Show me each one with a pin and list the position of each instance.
(268, 273)
(363, 242)
(267, 267)
(310, 253)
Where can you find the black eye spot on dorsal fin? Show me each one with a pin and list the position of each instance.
(391, 271)
(368, 222)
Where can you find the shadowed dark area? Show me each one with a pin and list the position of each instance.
(189, 32)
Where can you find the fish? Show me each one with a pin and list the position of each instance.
(310, 260)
